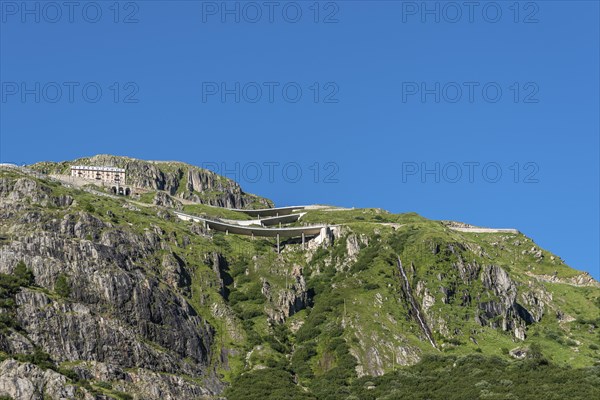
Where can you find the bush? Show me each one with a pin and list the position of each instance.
(123, 396)
(535, 355)
(38, 357)
(104, 385)
(9, 286)
(61, 286)
(307, 333)
(371, 286)
(249, 314)
(452, 378)
(254, 293)
(301, 359)
(69, 373)
(266, 384)
(237, 269)
(571, 343)
(365, 258)
(556, 336)
(237, 296)
(88, 207)
(23, 274)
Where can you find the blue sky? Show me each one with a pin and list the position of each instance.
(486, 115)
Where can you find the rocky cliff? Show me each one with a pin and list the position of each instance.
(105, 300)
(178, 179)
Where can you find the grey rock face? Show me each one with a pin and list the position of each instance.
(503, 312)
(145, 384)
(15, 343)
(27, 381)
(163, 199)
(180, 180)
(119, 312)
(468, 271)
(288, 301)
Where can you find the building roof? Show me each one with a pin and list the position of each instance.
(92, 168)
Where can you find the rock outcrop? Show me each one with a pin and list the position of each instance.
(28, 381)
(176, 178)
(503, 311)
(288, 301)
(111, 309)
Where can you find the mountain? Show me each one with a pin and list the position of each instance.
(184, 181)
(117, 297)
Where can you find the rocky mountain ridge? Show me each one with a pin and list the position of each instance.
(100, 298)
(184, 181)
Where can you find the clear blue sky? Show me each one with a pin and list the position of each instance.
(374, 116)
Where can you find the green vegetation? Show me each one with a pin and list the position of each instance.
(479, 377)
(23, 274)
(38, 357)
(362, 215)
(271, 384)
(9, 287)
(215, 212)
(61, 286)
(437, 377)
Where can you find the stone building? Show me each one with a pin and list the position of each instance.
(110, 175)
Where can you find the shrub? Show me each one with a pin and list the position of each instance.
(61, 286)
(104, 385)
(365, 258)
(9, 286)
(237, 269)
(535, 355)
(301, 359)
(123, 396)
(23, 274)
(249, 314)
(266, 384)
(237, 296)
(88, 207)
(38, 357)
(254, 293)
(307, 333)
(371, 286)
(69, 373)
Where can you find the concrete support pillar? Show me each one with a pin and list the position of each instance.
(226, 231)
(278, 243)
(302, 240)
